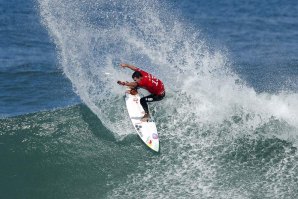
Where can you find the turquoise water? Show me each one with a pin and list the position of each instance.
(64, 154)
(227, 128)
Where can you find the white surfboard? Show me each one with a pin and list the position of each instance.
(146, 130)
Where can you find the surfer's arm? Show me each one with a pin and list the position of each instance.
(129, 84)
(129, 66)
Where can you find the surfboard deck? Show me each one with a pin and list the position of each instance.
(147, 131)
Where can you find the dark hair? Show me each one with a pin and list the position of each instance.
(137, 74)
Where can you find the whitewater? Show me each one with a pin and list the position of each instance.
(219, 137)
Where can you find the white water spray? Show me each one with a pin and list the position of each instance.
(204, 100)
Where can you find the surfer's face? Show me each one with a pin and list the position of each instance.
(137, 79)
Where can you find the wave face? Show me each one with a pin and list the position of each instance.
(64, 153)
(220, 139)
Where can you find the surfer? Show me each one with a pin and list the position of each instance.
(146, 81)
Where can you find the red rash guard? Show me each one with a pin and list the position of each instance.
(151, 83)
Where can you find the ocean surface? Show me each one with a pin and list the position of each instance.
(228, 126)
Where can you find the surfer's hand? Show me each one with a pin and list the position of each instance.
(133, 92)
(123, 65)
(121, 83)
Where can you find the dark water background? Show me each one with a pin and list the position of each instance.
(30, 77)
(54, 146)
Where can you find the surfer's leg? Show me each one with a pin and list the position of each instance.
(150, 98)
(144, 104)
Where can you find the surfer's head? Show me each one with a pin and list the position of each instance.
(137, 76)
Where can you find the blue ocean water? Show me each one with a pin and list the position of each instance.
(31, 79)
(228, 127)
(259, 36)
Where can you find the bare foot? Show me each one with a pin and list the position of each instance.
(145, 118)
